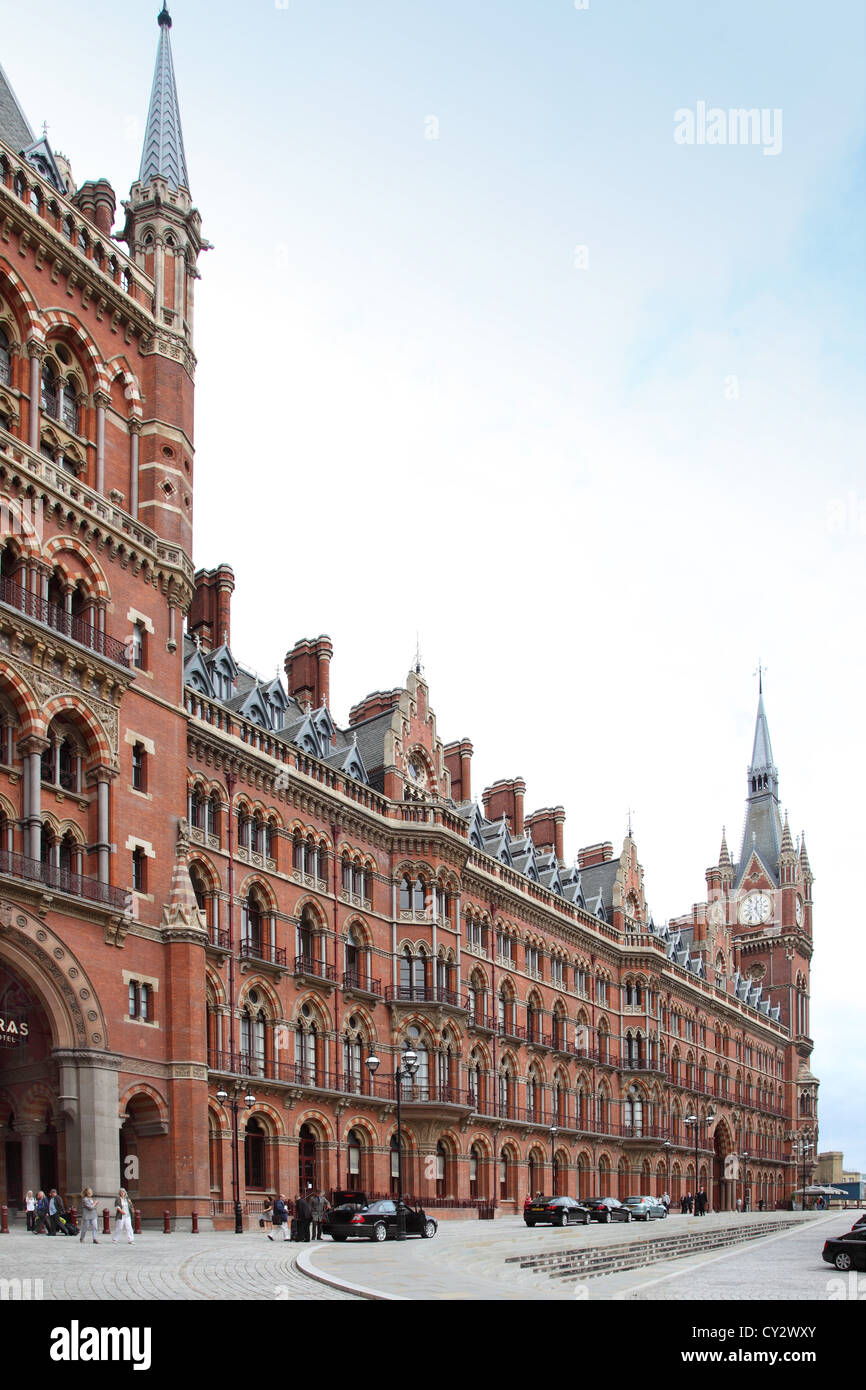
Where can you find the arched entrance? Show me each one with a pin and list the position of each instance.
(308, 1174)
(28, 1093)
(725, 1170)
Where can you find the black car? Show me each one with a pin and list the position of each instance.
(556, 1211)
(606, 1209)
(377, 1221)
(646, 1208)
(848, 1252)
(860, 1222)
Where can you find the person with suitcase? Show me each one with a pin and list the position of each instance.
(280, 1219)
(304, 1214)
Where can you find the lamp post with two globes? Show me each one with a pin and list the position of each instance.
(408, 1069)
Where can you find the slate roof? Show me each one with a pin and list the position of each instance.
(14, 127)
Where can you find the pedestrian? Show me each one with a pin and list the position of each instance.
(739, 1204)
(124, 1213)
(747, 1203)
(279, 1219)
(684, 1204)
(319, 1204)
(30, 1207)
(267, 1213)
(56, 1210)
(666, 1201)
(760, 1204)
(702, 1198)
(527, 1201)
(304, 1215)
(42, 1218)
(88, 1215)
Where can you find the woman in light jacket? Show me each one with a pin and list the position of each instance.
(124, 1211)
(30, 1208)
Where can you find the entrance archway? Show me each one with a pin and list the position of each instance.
(308, 1175)
(725, 1173)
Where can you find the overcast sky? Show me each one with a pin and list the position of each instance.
(489, 353)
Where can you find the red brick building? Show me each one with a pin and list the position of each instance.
(207, 886)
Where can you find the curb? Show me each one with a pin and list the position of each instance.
(302, 1264)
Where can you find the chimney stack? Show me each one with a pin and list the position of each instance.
(506, 797)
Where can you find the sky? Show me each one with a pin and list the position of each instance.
(493, 359)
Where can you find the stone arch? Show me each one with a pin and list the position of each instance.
(22, 304)
(38, 1101)
(57, 978)
(72, 330)
(100, 748)
(264, 1112)
(54, 550)
(141, 1088)
(319, 1123)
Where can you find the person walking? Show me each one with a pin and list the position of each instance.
(280, 1219)
(267, 1213)
(739, 1204)
(702, 1202)
(56, 1209)
(42, 1218)
(30, 1208)
(88, 1215)
(304, 1215)
(319, 1204)
(666, 1201)
(124, 1213)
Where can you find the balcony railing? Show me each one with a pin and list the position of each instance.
(318, 969)
(220, 938)
(63, 880)
(352, 979)
(263, 950)
(424, 994)
(32, 606)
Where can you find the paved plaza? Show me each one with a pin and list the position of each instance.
(468, 1260)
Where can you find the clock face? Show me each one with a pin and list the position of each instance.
(417, 772)
(798, 911)
(756, 909)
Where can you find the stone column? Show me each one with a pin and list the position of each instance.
(88, 1097)
(100, 400)
(29, 1155)
(37, 352)
(31, 750)
(134, 436)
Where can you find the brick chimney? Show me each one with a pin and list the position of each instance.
(547, 828)
(506, 797)
(458, 760)
(594, 854)
(97, 201)
(378, 703)
(210, 613)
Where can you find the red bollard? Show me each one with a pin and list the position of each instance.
(166, 1223)
(195, 1223)
(106, 1222)
(136, 1225)
(4, 1221)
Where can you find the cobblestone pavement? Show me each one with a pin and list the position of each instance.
(167, 1268)
(467, 1261)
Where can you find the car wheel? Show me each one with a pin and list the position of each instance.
(380, 1231)
(629, 1218)
(563, 1220)
(606, 1218)
(429, 1230)
(586, 1218)
(843, 1261)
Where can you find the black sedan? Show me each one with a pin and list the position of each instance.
(377, 1221)
(606, 1209)
(848, 1252)
(646, 1208)
(556, 1211)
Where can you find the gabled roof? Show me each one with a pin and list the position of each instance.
(163, 154)
(348, 760)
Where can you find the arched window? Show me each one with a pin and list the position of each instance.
(5, 360)
(253, 1039)
(356, 969)
(254, 1154)
(354, 1150)
(413, 983)
(253, 926)
(405, 894)
(354, 1052)
(308, 1045)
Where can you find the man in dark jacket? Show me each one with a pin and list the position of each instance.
(303, 1216)
(279, 1219)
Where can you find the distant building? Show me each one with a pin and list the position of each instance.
(208, 887)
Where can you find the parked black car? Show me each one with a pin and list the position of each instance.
(860, 1222)
(556, 1211)
(377, 1221)
(646, 1208)
(848, 1252)
(606, 1209)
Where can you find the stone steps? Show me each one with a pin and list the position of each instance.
(589, 1262)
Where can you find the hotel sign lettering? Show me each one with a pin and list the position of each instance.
(12, 1030)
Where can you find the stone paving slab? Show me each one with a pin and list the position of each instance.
(468, 1260)
(212, 1265)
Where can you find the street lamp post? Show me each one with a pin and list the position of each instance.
(694, 1120)
(553, 1133)
(233, 1103)
(408, 1069)
(744, 1158)
(801, 1147)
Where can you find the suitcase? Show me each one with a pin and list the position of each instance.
(295, 1232)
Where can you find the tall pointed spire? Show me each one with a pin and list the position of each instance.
(724, 853)
(762, 832)
(163, 154)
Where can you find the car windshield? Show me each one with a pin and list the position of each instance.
(382, 1208)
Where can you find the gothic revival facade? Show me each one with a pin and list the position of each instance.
(209, 890)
